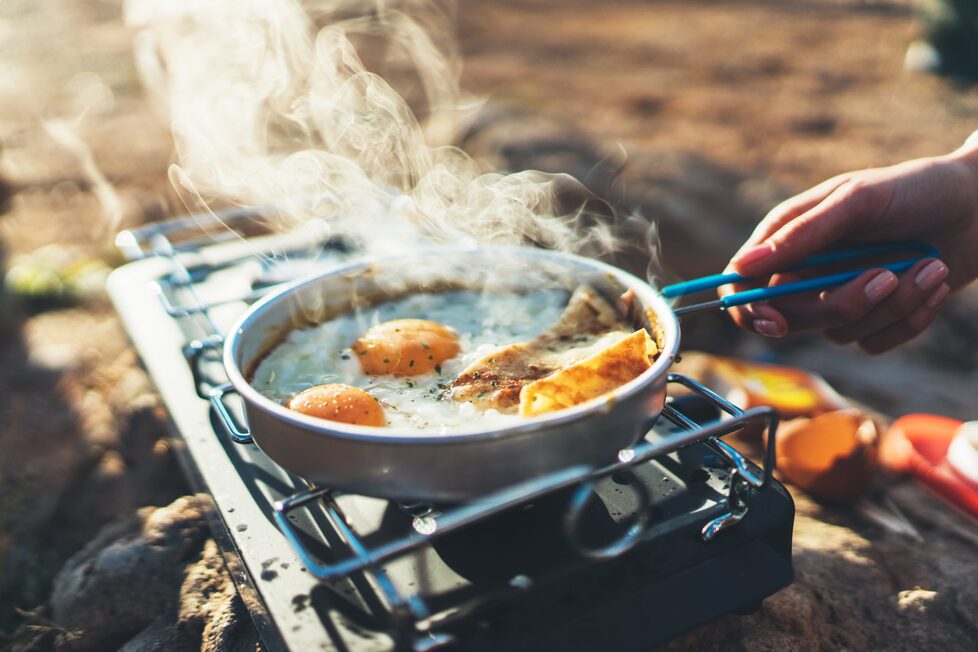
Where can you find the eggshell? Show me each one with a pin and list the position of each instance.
(831, 456)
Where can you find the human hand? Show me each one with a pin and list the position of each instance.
(934, 200)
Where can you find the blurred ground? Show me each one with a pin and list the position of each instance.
(720, 108)
(800, 90)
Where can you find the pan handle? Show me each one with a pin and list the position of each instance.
(224, 416)
(194, 352)
(921, 249)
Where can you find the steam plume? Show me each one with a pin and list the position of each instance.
(271, 104)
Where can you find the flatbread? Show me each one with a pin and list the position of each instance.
(598, 374)
(588, 325)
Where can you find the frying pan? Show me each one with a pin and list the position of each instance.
(468, 462)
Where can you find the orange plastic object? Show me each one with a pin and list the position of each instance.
(792, 392)
(917, 443)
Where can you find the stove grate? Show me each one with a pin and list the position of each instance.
(184, 297)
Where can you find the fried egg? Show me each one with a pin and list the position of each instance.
(458, 328)
(339, 402)
(405, 347)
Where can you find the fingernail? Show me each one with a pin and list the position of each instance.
(930, 276)
(881, 286)
(753, 255)
(936, 298)
(768, 327)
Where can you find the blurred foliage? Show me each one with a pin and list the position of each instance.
(55, 276)
(951, 28)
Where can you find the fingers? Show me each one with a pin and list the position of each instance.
(877, 310)
(917, 285)
(839, 307)
(849, 208)
(757, 317)
(909, 328)
(836, 308)
(760, 318)
(842, 306)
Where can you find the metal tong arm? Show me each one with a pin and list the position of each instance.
(818, 283)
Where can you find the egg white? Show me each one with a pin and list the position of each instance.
(484, 321)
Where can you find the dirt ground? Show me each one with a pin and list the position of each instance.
(795, 90)
(719, 108)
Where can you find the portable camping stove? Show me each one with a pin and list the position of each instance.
(621, 557)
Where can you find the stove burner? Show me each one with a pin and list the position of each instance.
(620, 557)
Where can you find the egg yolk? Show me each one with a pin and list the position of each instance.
(339, 402)
(405, 347)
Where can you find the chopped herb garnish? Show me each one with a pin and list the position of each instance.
(363, 353)
(410, 363)
(481, 394)
(345, 356)
(425, 346)
(410, 384)
(386, 361)
(437, 368)
(431, 357)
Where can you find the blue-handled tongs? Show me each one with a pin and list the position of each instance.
(920, 249)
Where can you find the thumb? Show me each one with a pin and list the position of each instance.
(846, 211)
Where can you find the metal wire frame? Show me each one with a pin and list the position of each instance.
(408, 611)
(584, 477)
(360, 558)
(198, 230)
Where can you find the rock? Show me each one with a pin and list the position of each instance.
(152, 581)
(140, 471)
(130, 573)
(915, 600)
(132, 387)
(858, 587)
(210, 606)
(161, 635)
(205, 587)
